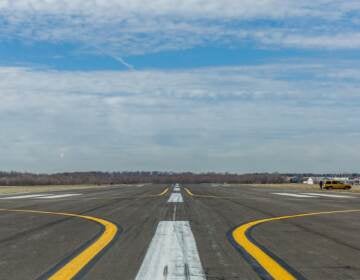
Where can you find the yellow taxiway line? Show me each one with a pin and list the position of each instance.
(273, 268)
(75, 265)
(165, 191)
(200, 195)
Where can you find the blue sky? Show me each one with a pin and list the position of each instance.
(180, 85)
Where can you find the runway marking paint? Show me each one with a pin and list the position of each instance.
(165, 191)
(272, 267)
(172, 254)
(175, 198)
(329, 195)
(24, 196)
(40, 196)
(60, 195)
(294, 195)
(75, 265)
(200, 195)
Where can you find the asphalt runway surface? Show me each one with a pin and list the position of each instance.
(188, 232)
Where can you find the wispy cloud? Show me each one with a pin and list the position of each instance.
(121, 27)
(263, 117)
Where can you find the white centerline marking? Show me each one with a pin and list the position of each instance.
(176, 189)
(172, 254)
(329, 195)
(175, 198)
(174, 213)
(60, 195)
(24, 196)
(295, 195)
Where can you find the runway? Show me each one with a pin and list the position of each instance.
(180, 232)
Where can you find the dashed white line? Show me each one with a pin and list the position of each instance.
(329, 195)
(40, 196)
(313, 195)
(25, 196)
(175, 198)
(174, 213)
(295, 195)
(60, 195)
(172, 254)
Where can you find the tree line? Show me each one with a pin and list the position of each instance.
(136, 177)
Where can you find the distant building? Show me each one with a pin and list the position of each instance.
(357, 181)
(309, 181)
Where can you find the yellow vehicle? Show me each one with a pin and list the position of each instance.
(333, 184)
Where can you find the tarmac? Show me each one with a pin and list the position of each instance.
(180, 232)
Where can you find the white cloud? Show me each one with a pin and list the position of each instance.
(227, 118)
(140, 26)
(185, 8)
(328, 41)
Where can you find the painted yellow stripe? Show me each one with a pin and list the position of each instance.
(188, 192)
(270, 265)
(74, 266)
(199, 195)
(165, 191)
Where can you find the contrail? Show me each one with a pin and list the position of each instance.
(117, 58)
